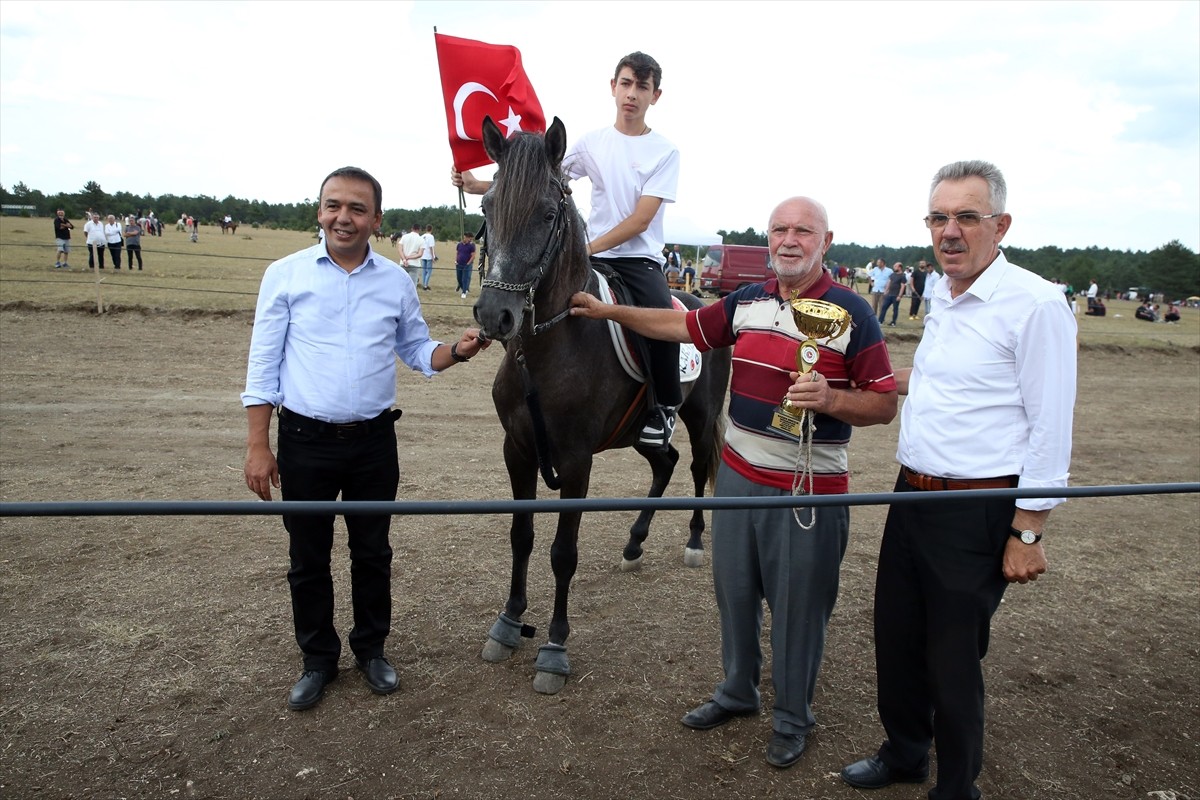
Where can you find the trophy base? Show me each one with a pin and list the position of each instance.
(787, 425)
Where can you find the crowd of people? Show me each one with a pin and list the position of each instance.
(109, 236)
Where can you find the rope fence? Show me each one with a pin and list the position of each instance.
(146, 508)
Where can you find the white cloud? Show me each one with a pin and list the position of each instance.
(1092, 110)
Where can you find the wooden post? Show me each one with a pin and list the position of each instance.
(99, 297)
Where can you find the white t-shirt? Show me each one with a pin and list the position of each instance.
(411, 246)
(427, 245)
(94, 232)
(622, 169)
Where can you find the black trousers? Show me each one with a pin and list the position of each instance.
(114, 248)
(97, 251)
(132, 250)
(318, 465)
(648, 288)
(938, 584)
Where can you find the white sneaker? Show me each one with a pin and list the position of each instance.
(464, 297)
(654, 434)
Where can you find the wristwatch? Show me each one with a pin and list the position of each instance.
(1027, 537)
(461, 359)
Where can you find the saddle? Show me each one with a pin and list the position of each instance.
(689, 357)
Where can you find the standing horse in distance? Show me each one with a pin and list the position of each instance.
(561, 392)
(228, 226)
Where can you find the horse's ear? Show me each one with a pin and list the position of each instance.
(556, 142)
(493, 139)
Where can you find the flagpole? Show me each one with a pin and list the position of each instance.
(462, 197)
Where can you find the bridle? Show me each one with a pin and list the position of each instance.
(553, 247)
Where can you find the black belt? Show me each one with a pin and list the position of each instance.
(337, 430)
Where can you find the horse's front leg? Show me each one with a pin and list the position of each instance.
(505, 634)
(662, 466)
(552, 664)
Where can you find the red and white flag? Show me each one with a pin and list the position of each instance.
(480, 80)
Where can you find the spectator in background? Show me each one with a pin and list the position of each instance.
(114, 234)
(689, 276)
(931, 282)
(896, 286)
(672, 274)
(916, 287)
(93, 230)
(880, 275)
(1172, 314)
(133, 242)
(427, 256)
(62, 239)
(464, 258)
(410, 248)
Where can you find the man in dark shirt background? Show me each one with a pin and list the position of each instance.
(62, 239)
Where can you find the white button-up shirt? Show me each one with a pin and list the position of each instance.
(325, 340)
(992, 389)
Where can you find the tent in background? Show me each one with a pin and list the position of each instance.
(678, 229)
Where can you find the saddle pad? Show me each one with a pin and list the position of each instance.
(689, 356)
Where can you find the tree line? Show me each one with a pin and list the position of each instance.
(1171, 269)
(447, 222)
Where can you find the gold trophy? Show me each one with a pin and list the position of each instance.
(815, 319)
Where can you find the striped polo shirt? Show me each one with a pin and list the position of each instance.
(758, 323)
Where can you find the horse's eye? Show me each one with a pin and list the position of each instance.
(550, 215)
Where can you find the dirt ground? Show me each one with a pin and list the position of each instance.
(150, 657)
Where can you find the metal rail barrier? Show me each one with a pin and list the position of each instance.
(146, 508)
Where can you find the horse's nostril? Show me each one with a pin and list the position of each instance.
(506, 322)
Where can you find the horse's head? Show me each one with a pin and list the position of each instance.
(532, 228)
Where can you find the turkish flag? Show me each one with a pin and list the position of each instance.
(484, 80)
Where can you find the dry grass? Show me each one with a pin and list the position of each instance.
(221, 272)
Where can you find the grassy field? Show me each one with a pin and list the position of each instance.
(221, 272)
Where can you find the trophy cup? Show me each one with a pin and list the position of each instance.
(815, 319)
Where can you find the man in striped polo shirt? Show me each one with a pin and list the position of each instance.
(764, 553)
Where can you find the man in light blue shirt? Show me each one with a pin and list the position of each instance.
(330, 322)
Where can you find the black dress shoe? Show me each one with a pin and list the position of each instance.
(710, 715)
(785, 749)
(379, 675)
(872, 773)
(310, 688)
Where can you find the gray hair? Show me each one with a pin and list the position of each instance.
(960, 170)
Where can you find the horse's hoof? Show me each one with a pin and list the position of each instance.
(493, 651)
(693, 557)
(548, 682)
(631, 566)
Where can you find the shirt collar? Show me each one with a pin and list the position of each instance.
(986, 282)
(369, 261)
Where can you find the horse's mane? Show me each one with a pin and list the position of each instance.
(524, 174)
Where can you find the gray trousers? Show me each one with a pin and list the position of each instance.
(762, 554)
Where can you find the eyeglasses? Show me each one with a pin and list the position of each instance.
(968, 219)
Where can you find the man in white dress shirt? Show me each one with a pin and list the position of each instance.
(990, 401)
(330, 322)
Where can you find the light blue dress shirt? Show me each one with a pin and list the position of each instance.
(325, 341)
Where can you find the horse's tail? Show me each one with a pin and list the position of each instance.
(714, 456)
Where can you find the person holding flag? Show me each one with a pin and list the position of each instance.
(634, 172)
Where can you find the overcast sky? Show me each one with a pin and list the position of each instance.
(1092, 110)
